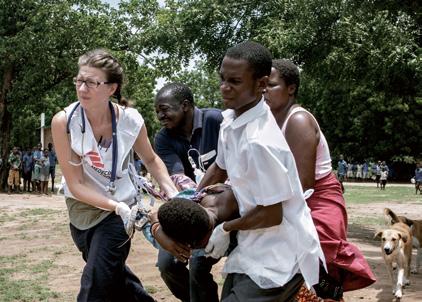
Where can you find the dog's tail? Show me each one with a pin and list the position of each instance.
(393, 216)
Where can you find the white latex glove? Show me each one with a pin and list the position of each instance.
(218, 243)
(128, 216)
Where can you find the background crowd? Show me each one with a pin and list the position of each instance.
(31, 168)
(368, 170)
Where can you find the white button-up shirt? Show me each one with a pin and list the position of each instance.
(262, 171)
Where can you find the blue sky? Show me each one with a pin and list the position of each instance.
(112, 2)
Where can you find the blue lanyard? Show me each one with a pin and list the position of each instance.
(111, 186)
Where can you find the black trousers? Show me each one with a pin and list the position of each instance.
(195, 284)
(105, 276)
(241, 288)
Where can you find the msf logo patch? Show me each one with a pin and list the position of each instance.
(97, 164)
(95, 160)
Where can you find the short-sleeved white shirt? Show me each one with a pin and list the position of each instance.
(262, 171)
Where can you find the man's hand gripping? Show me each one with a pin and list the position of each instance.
(218, 243)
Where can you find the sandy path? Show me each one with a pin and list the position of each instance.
(48, 238)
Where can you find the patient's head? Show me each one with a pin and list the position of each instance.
(185, 221)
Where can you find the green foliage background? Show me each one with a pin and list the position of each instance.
(361, 61)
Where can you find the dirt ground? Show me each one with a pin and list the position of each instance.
(45, 235)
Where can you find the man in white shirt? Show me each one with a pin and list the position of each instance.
(277, 241)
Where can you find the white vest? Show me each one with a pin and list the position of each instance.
(323, 158)
(97, 161)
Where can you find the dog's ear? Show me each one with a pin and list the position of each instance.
(378, 234)
(408, 221)
(403, 237)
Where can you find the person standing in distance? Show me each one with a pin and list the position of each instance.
(52, 157)
(341, 171)
(93, 140)
(187, 132)
(14, 162)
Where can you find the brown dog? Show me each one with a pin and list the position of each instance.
(416, 230)
(396, 247)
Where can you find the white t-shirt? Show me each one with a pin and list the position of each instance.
(384, 175)
(97, 161)
(262, 171)
(323, 159)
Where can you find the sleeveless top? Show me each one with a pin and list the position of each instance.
(323, 158)
(97, 164)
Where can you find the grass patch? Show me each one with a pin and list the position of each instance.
(24, 290)
(364, 195)
(35, 215)
(4, 217)
(151, 289)
(367, 220)
(30, 288)
(38, 212)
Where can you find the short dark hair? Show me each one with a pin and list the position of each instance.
(257, 56)
(288, 72)
(184, 220)
(178, 91)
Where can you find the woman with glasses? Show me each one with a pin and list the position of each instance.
(347, 268)
(93, 139)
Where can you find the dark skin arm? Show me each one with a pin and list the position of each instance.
(213, 175)
(221, 201)
(179, 250)
(302, 136)
(257, 218)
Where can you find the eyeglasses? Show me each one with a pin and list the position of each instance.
(88, 83)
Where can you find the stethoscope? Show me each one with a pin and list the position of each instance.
(111, 188)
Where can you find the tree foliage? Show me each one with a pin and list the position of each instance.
(361, 61)
(39, 45)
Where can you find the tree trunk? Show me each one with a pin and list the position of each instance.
(5, 124)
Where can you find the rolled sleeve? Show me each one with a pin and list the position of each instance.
(219, 160)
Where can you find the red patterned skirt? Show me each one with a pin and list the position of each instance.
(344, 260)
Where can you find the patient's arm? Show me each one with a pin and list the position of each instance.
(181, 251)
(213, 175)
(257, 218)
(222, 202)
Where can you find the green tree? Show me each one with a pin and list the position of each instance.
(360, 61)
(204, 83)
(40, 42)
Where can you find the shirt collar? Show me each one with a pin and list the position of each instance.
(246, 116)
(197, 119)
